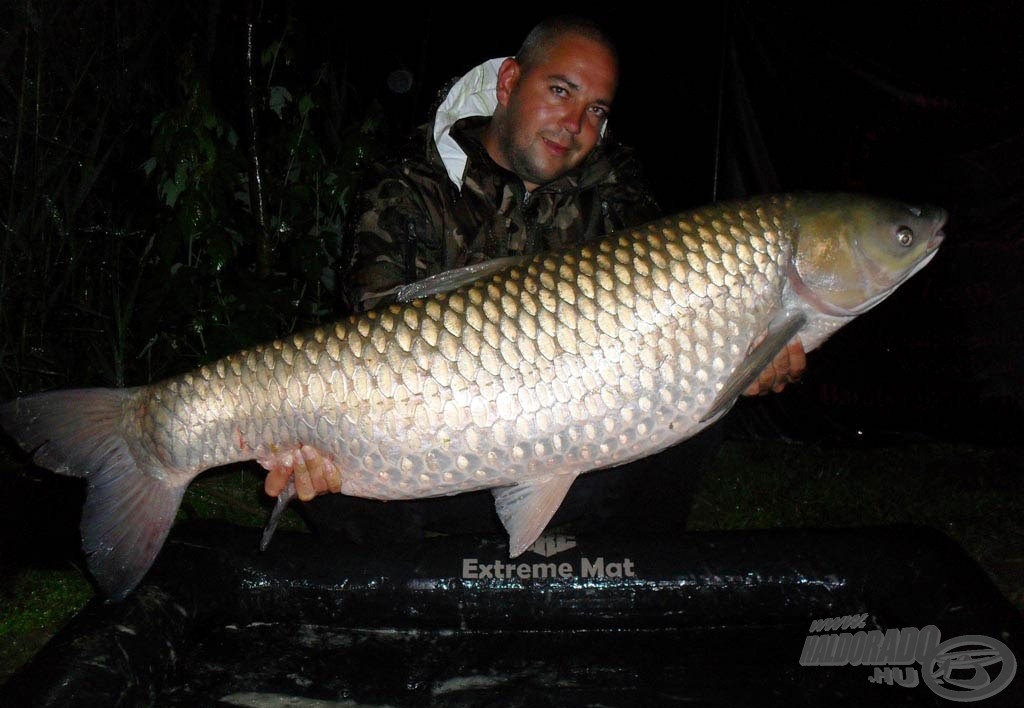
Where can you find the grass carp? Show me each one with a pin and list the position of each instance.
(515, 376)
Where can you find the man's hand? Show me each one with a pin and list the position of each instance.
(314, 473)
(789, 365)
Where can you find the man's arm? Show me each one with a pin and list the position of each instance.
(627, 198)
(392, 237)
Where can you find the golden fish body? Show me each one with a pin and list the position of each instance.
(571, 361)
(519, 381)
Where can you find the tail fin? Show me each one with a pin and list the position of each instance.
(130, 503)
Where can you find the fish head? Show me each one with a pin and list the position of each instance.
(852, 251)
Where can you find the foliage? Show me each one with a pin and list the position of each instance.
(164, 220)
(60, 244)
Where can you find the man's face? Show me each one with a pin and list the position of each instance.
(554, 112)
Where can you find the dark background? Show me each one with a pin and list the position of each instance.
(914, 100)
(131, 248)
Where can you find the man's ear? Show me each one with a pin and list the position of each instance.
(508, 77)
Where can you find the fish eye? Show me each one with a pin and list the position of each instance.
(905, 235)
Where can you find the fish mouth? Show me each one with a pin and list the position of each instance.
(939, 235)
(930, 251)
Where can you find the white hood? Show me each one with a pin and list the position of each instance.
(475, 94)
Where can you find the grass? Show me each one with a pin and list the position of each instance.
(39, 601)
(234, 494)
(973, 494)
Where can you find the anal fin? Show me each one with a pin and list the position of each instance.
(525, 509)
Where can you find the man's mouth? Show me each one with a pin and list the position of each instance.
(555, 148)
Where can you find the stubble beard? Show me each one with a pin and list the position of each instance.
(522, 163)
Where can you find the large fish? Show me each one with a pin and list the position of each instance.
(537, 371)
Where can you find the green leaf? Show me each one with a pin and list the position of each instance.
(267, 55)
(279, 98)
(220, 252)
(169, 192)
(208, 149)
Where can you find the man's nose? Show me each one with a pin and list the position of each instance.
(573, 119)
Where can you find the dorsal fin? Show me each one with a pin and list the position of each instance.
(453, 279)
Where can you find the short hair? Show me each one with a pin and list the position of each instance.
(547, 32)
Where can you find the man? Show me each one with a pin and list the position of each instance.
(535, 175)
(518, 160)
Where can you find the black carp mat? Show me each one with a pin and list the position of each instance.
(706, 619)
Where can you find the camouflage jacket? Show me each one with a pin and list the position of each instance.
(411, 219)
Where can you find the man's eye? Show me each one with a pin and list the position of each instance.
(559, 91)
(599, 111)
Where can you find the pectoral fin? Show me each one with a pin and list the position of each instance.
(453, 279)
(525, 509)
(783, 328)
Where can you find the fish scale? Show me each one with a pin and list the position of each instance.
(518, 380)
(636, 376)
